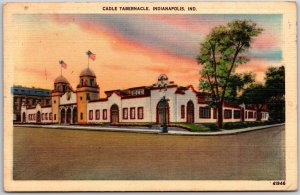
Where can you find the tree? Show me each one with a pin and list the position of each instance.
(237, 84)
(220, 54)
(256, 95)
(275, 85)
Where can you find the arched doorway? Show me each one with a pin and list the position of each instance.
(62, 116)
(38, 117)
(74, 115)
(190, 118)
(114, 114)
(68, 119)
(24, 117)
(162, 112)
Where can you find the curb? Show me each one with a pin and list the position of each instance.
(171, 132)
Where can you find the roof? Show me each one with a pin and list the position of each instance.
(87, 72)
(61, 79)
(20, 90)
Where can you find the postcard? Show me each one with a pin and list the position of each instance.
(170, 96)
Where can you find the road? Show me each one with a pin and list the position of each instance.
(48, 154)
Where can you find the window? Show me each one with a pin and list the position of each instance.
(182, 111)
(104, 115)
(50, 116)
(92, 82)
(80, 97)
(204, 112)
(132, 113)
(42, 116)
(46, 116)
(246, 114)
(54, 101)
(236, 114)
(97, 114)
(81, 82)
(88, 96)
(29, 117)
(54, 116)
(215, 114)
(250, 114)
(254, 114)
(81, 115)
(227, 114)
(91, 114)
(140, 112)
(125, 113)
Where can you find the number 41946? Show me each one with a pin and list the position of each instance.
(278, 183)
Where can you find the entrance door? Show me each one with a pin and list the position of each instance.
(38, 117)
(162, 112)
(69, 116)
(114, 114)
(62, 116)
(24, 117)
(74, 115)
(190, 112)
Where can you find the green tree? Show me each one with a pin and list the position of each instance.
(275, 85)
(220, 54)
(237, 84)
(257, 95)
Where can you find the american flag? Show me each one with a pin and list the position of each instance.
(91, 55)
(63, 64)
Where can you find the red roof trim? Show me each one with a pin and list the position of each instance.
(192, 87)
(46, 106)
(231, 106)
(99, 100)
(68, 104)
(138, 96)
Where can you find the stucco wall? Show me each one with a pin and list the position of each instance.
(64, 99)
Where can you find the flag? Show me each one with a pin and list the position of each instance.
(63, 64)
(91, 55)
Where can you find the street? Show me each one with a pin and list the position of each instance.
(54, 154)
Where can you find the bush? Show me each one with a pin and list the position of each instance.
(238, 125)
(196, 127)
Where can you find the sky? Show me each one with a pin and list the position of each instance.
(131, 50)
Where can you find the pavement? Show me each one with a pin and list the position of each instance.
(172, 131)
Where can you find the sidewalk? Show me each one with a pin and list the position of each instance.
(148, 130)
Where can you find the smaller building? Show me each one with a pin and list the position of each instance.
(29, 96)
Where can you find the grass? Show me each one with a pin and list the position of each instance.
(198, 127)
(201, 127)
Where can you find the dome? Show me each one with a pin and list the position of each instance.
(61, 79)
(87, 72)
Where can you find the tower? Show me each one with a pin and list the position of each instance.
(87, 90)
(61, 85)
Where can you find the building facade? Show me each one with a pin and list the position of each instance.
(29, 96)
(163, 101)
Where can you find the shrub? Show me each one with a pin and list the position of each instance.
(245, 124)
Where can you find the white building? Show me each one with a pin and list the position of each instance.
(134, 105)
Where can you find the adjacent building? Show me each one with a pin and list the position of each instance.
(30, 97)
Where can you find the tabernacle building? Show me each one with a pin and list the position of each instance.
(163, 101)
